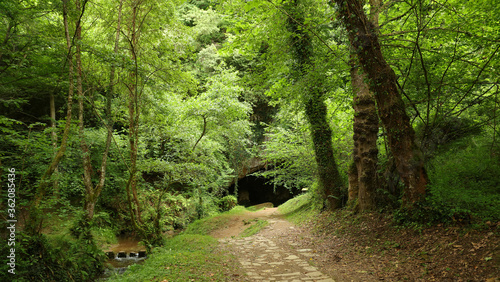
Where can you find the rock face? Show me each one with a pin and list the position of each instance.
(254, 190)
(253, 165)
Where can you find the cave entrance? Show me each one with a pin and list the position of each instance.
(253, 190)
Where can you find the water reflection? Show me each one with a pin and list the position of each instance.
(122, 255)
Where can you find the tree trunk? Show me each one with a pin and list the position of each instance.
(93, 192)
(391, 108)
(365, 129)
(329, 175)
(91, 199)
(315, 108)
(134, 114)
(41, 190)
(353, 189)
(34, 219)
(202, 133)
(87, 165)
(55, 183)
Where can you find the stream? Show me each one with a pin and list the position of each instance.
(121, 255)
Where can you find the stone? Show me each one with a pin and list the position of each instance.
(316, 273)
(264, 260)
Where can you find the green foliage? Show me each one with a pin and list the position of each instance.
(205, 24)
(301, 208)
(227, 203)
(465, 179)
(464, 187)
(37, 259)
(439, 135)
(448, 70)
(289, 149)
(211, 74)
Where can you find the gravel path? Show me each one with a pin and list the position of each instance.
(268, 256)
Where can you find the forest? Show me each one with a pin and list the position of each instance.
(140, 117)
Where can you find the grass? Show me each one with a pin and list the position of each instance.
(299, 209)
(254, 228)
(186, 257)
(207, 225)
(260, 207)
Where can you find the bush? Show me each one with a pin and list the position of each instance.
(228, 202)
(466, 180)
(431, 212)
(37, 259)
(464, 186)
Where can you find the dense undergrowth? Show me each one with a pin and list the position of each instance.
(464, 187)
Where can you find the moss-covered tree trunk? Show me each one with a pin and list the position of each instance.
(87, 164)
(365, 153)
(134, 113)
(391, 108)
(53, 125)
(353, 188)
(34, 221)
(315, 107)
(93, 192)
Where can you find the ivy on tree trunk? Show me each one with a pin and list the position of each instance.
(34, 221)
(391, 108)
(315, 107)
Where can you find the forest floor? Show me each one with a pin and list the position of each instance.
(362, 248)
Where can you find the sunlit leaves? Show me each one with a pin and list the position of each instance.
(444, 53)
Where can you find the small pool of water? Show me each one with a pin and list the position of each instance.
(125, 253)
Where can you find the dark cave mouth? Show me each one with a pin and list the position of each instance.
(253, 190)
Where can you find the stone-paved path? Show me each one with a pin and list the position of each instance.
(267, 256)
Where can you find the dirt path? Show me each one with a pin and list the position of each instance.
(269, 255)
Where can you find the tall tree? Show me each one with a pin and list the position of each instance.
(391, 108)
(314, 102)
(35, 217)
(365, 153)
(87, 164)
(92, 192)
(137, 14)
(363, 180)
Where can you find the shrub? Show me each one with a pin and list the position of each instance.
(37, 259)
(464, 186)
(466, 181)
(227, 203)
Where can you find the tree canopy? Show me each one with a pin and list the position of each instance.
(147, 111)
